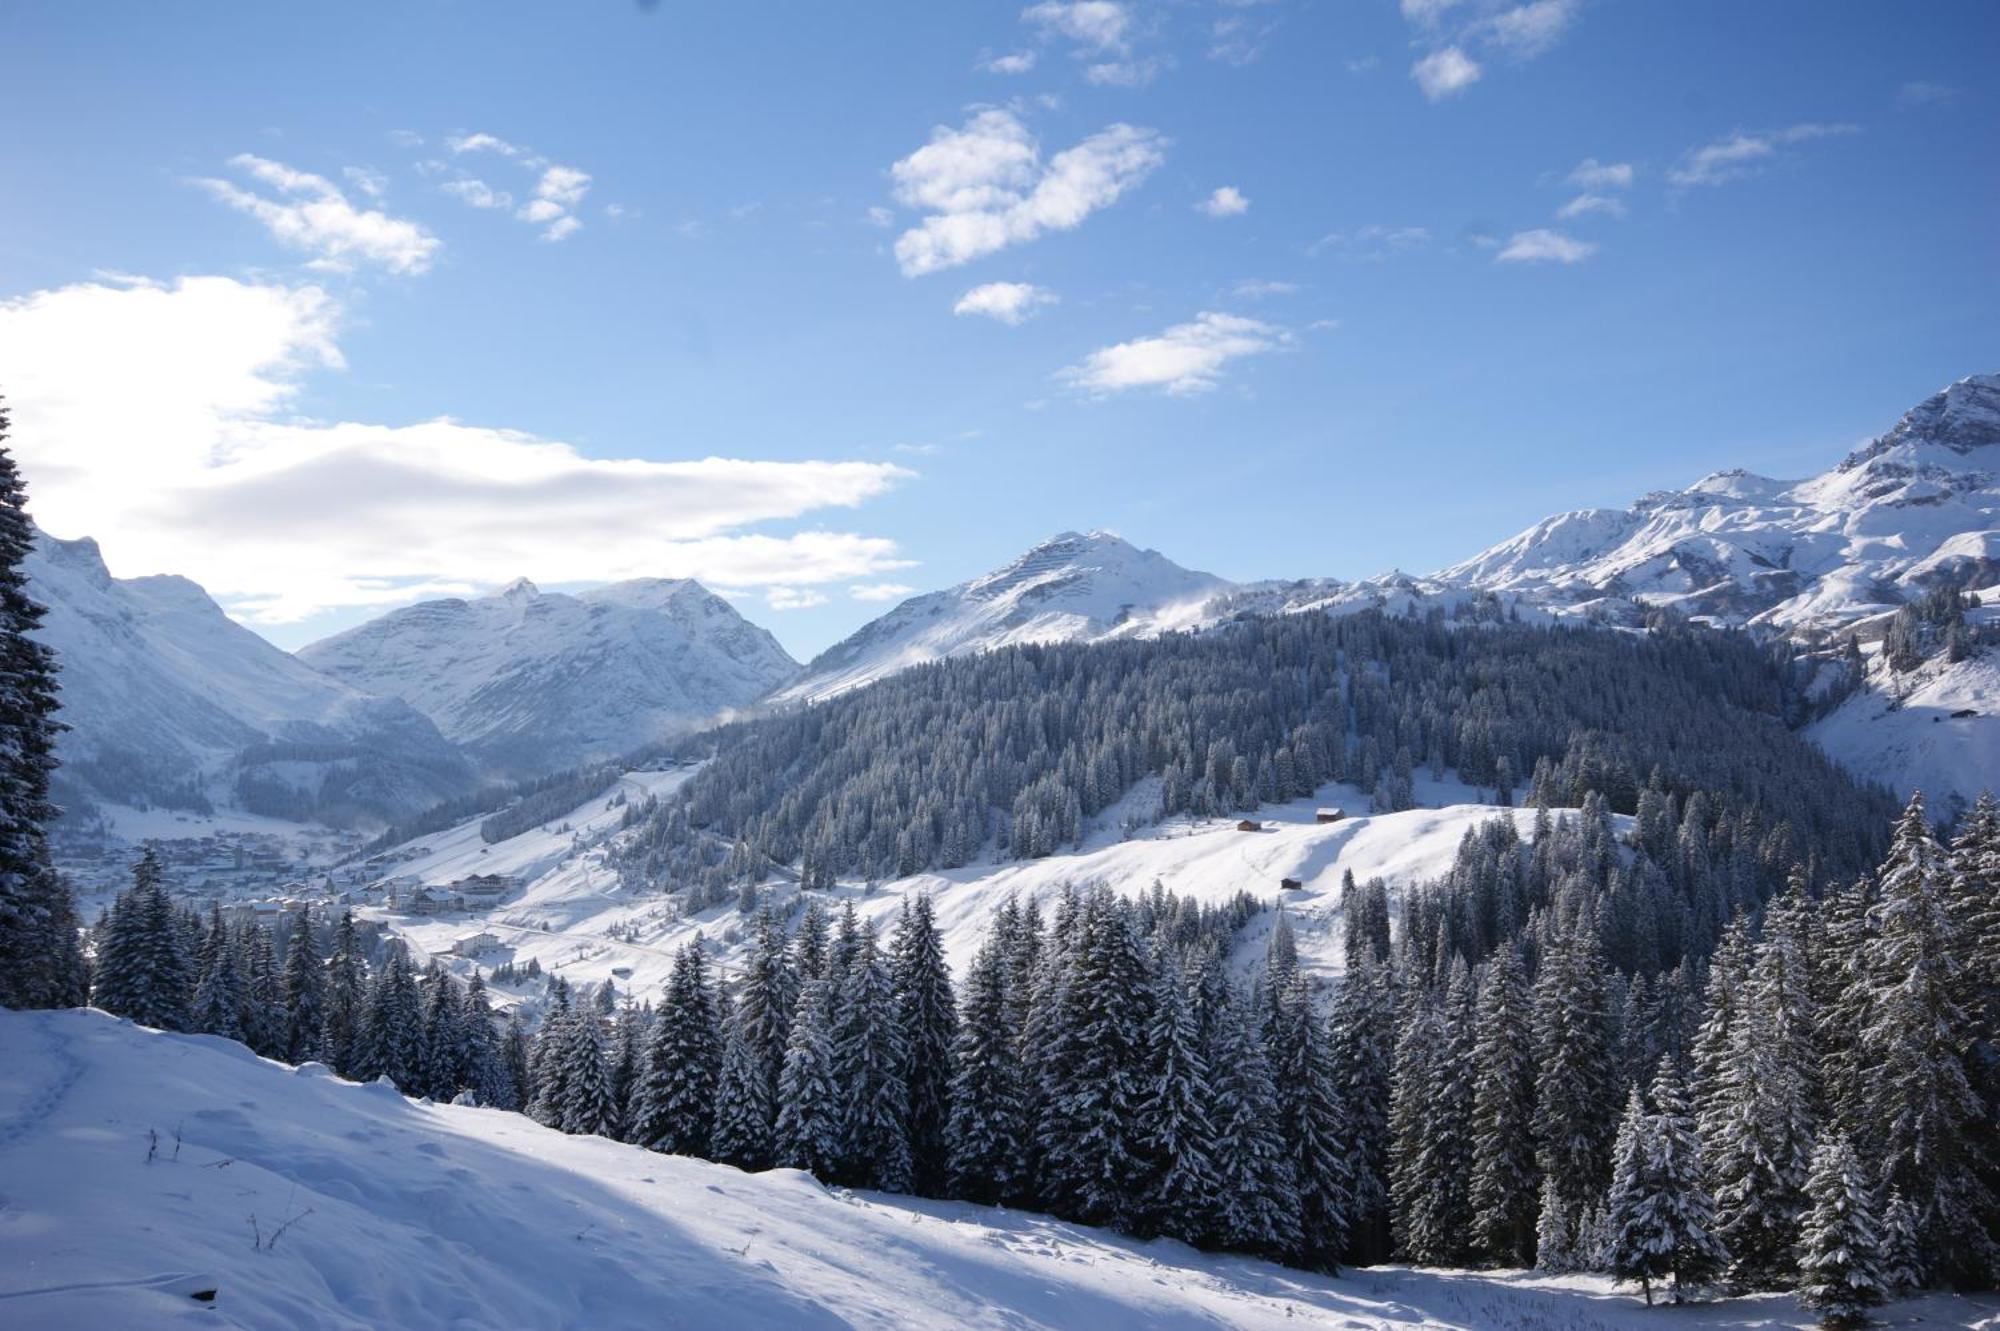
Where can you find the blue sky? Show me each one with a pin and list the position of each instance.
(1278, 288)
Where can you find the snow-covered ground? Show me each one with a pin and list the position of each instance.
(408, 1214)
(574, 919)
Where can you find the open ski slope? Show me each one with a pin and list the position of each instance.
(409, 1214)
(575, 919)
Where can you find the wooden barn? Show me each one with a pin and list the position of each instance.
(1327, 815)
(1291, 885)
(1249, 825)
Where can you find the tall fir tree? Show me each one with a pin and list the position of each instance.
(1504, 1182)
(1257, 1207)
(217, 1007)
(988, 1127)
(391, 1041)
(1312, 1121)
(40, 958)
(1659, 1218)
(346, 974)
(677, 1088)
(1175, 1139)
(142, 970)
(809, 1102)
(1841, 1271)
(587, 1106)
(927, 1015)
(1574, 1117)
(868, 1066)
(304, 994)
(1364, 1041)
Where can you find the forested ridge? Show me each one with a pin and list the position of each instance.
(1012, 752)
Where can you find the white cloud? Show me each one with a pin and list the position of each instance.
(1735, 156)
(557, 191)
(1187, 358)
(366, 179)
(1009, 302)
(1425, 11)
(564, 185)
(1921, 93)
(1253, 288)
(1225, 202)
(1591, 174)
(478, 193)
(310, 213)
(1526, 31)
(793, 598)
(984, 187)
(474, 143)
(1542, 245)
(1585, 204)
(1095, 25)
(159, 418)
(1372, 243)
(562, 229)
(880, 591)
(1014, 62)
(1444, 73)
(1235, 40)
(1124, 73)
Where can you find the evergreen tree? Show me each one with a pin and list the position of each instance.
(1574, 1090)
(1556, 1232)
(142, 973)
(746, 1108)
(868, 1064)
(809, 1101)
(1840, 1247)
(1902, 1260)
(988, 1126)
(1257, 1207)
(486, 1067)
(587, 1107)
(1927, 1129)
(40, 960)
(391, 1041)
(262, 1014)
(345, 972)
(305, 994)
(928, 1018)
(677, 1090)
(1311, 1122)
(1364, 1041)
(218, 990)
(1175, 1137)
(1659, 1219)
(1430, 1123)
(443, 1068)
(622, 1078)
(1503, 1185)
(762, 1022)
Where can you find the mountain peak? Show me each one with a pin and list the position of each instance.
(520, 589)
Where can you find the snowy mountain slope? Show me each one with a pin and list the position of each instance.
(1070, 588)
(1936, 729)
(405, 1213)
(1917, 506)
(574, 918)
(531, 682)
(170, 700)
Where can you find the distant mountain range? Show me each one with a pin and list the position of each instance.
(171, 701)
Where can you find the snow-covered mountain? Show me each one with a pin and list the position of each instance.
(171, 702)
(1070, 588)
(530, 681)
(1917, 507)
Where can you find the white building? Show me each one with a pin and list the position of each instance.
(472, 945)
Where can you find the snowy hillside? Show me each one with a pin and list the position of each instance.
(406, 1213)
(531, 682)
(171, 701)
(574, 919)
(1070, 588)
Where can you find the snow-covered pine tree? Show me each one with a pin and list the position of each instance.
(345, 973)
(1174, 1137)
(1312, 1123)
(924, 1009)
(142, 972)
(304, 993)
(627, 1065)
(1430, 1119)
(868, 1069)
(1660, 1220)
(809, 1101)
(1574, 1118)
(1902, 1259)
(1759, 1107)
(392, 1025)
(988, 1126)
(218, 988)
(809, 946)
(1840, 1245)
(518, 1082)
(1556, 1232)
(40, 960)
(746, 1108)
(263, 1013)
(762, 1021)
(1257, 1207)
(548, 1072)
(587, 1108)
(675, 1106)
(1503, 1186)
(1096, 1061)
(443, 1071)
(1363, 1044)
(486, 1068)
(1927, 1130)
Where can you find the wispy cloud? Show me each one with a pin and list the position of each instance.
(983, 187)
(1583, 205)
(556, 201)
(1747, 153)
(472, 190)
(1591, 174)
(310, 213)
(1228, 201)
(880, 591)
(1011, 303)
(1256, 288)
(1186, 358)
(1542, 245)
(1452, 31)
(1014, 62)
(1925, 93)
(1370, 244)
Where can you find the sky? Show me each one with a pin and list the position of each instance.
(331, 310)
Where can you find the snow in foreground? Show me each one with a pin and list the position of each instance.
(407, 1214)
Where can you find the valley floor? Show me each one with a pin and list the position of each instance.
(407, 1214)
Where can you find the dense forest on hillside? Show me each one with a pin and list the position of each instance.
(1014, 751)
